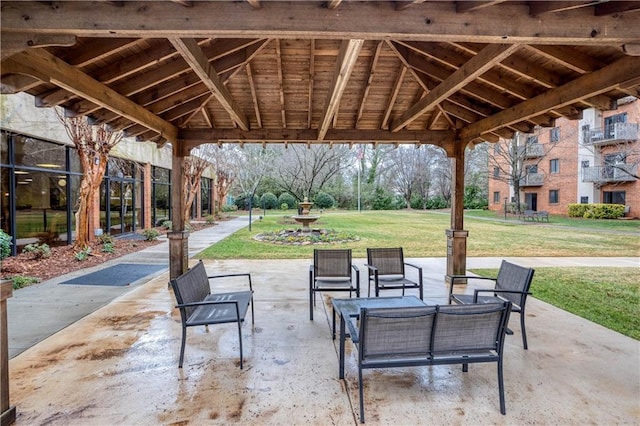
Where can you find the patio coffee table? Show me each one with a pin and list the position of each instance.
(349, 310)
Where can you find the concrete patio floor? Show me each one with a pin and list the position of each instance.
(119, 365)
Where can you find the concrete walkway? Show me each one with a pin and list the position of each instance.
(36, 312)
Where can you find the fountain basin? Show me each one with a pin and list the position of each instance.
(305, 220)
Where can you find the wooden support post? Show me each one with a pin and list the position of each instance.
(7, 413)
(457, 236)
(178, 237)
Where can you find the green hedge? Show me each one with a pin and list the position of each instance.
(596, 211)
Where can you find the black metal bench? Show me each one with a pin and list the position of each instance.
(198, 306)
(430, 335)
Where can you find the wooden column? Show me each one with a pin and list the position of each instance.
(7, 413)
(457, 236)
(178, 237)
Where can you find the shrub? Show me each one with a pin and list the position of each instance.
(288, 199)
(242, 202)
(229, 208)
(437, 203)
(83, 254)
(596, 211)
(210, 220)
(151, 234)
(268, 201)
(20, 282)
(5, 245)
(106, 239)
(108, 248)
(38, 251)
(381, 200)
(324, 200)
(417, 202)
(167, 224)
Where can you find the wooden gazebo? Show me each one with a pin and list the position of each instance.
(447, 73)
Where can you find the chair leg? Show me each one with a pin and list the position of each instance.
(311, 300)
(240, 339)
(524, 331)
(361, 395)
(503, 409)
(184, 341)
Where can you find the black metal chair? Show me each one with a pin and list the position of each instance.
(332, 270)
(387, 271)
(512, 284)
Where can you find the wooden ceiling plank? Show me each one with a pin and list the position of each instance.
(588, 85)
(194, 56)
(283, 115)
(207, 117)
(616, 7)
(202, 106)
(12, 43)
(370, 75)
(357, 20)
(254, 96)
(312, 66)
(392, 98)
(537, 8)
(94, 50)
(569, 58)
(47, 67)
(476, 66)
(405, 4)
(16, 83)
(473, 6)
(347, 57)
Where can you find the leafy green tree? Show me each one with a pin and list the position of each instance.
(324, 200)
(268, 200)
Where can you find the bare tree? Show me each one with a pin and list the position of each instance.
(194, 166)
(93, 144)
(224, 160)
(303, 171)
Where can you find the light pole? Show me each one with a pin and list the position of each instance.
(505, 208)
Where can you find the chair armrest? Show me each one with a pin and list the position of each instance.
(355, 268)
(371, 267)
(210, 302)
(483, 290)
(475, 277)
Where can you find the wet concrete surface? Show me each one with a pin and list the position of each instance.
(119, 365)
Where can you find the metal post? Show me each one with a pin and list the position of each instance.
(505, 208)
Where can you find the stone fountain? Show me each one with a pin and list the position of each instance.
(305, 218)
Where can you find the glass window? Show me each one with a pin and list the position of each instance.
(36, 153)
(554, 134)
(614, 197)
(584, 200)
(205, 197)
(532, 139)
(4, 148)
(554, 166)
(531, 169)
(585, 164)
(496, 197)
(496, 172)
(554, 196)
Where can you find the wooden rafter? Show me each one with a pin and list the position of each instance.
(607, 78)
(347, 58)
(473, 6)
(308, 20)
(283, 115)
(312, 66)
(393, 97)
(476, 66)
(254, 96)
(537, 8)
(46, 67)
(371, 74)
(192, 53)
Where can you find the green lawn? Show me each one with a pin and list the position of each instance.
(606, 296)
(422, 234)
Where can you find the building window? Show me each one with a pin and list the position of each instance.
(497, 148)
(554, 134)
(614, 197)
(584, 200)
(554, 196)
(532, 139)
(496, 172)
(585, 164)
(554, 166)
(610, 123)
(531, 169)
(160, 195)
(496, 197)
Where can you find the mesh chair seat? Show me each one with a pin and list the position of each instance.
(387, 271)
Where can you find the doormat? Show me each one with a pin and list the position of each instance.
(117, 275)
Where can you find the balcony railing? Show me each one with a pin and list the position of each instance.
(531, 150)
(532, 179)
(618, 173)
(616, 133)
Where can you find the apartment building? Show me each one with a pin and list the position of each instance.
(591, 160)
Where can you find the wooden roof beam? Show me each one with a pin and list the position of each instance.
(476, 66)
(473, 6)
(537, 8)
(46, 67)
(192, 53)
(371, 74)
(509, 23)
(608, 78)
(347, 57)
